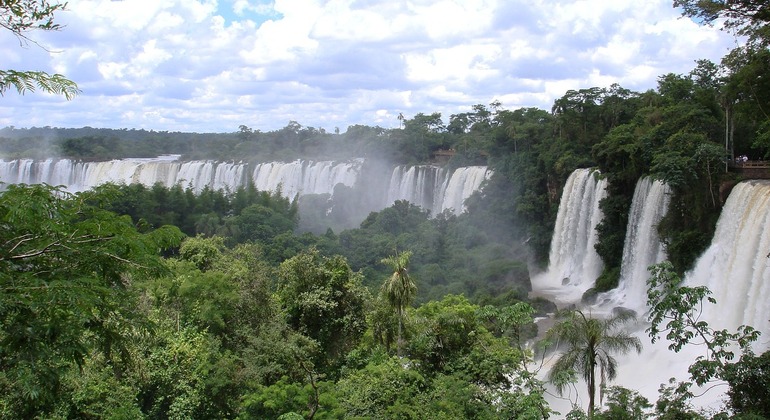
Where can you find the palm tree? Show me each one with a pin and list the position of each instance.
(399, 289)
(590, 343)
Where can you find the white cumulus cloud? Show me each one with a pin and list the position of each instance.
(212, 65)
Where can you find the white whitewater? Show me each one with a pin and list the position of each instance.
(459, 187)
(79, 176)
(434, 188)
(642, 247)
(735, 267)
(416, 184)
(431, 187)
(298, 177)
(305, 177)
(574, 264)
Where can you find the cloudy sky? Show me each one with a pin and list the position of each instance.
(213, 65)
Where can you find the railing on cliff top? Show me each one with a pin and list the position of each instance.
(751, 168)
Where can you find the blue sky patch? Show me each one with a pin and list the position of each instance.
(257, 11)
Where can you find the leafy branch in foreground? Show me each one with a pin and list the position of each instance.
(29, 81)
(21, 17)
(65, 267)
(676, 310)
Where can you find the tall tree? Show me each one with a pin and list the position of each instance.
(399, 290)
(589, 343)
(21, 17)
(324, 299)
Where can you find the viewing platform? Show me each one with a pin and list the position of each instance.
(755, 169)
(442, 156)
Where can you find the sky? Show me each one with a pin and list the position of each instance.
(212, 66)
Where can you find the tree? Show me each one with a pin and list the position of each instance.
(624, 404)
(399, 290)
(590, 343)
(324, 299)
(21, 17)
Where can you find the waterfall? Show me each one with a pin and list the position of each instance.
(80, 176)
(416, 184)
(736, 266)
(642, 247)
(574, 264)
(458, 187)
(304, 177)
(434, 188)
(430, 187)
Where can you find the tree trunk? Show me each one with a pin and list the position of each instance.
(591, 391)
(398, 342)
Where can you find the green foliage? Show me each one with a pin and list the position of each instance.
(206, 300)
(175, 373)
(675, 310)
(749, 378)
(514, 322)
(386, 390)
(288, 400)
(239, 216)
(624, 404)
(201, 251)
(93, 391)
(743, 17)
(29, 81)
(674, 402)
(65, 268)
(324, 299)
(399, 289)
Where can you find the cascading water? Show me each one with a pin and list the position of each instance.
(574, 264)
(458, 187)
(434, 188)
(80, 176)
(430, 187)
(642, 246)
(735, 267)
(416, 184)
(304, 177)
(295, 177)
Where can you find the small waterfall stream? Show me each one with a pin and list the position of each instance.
(574, 264)
(642, 247)
(435, 188)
